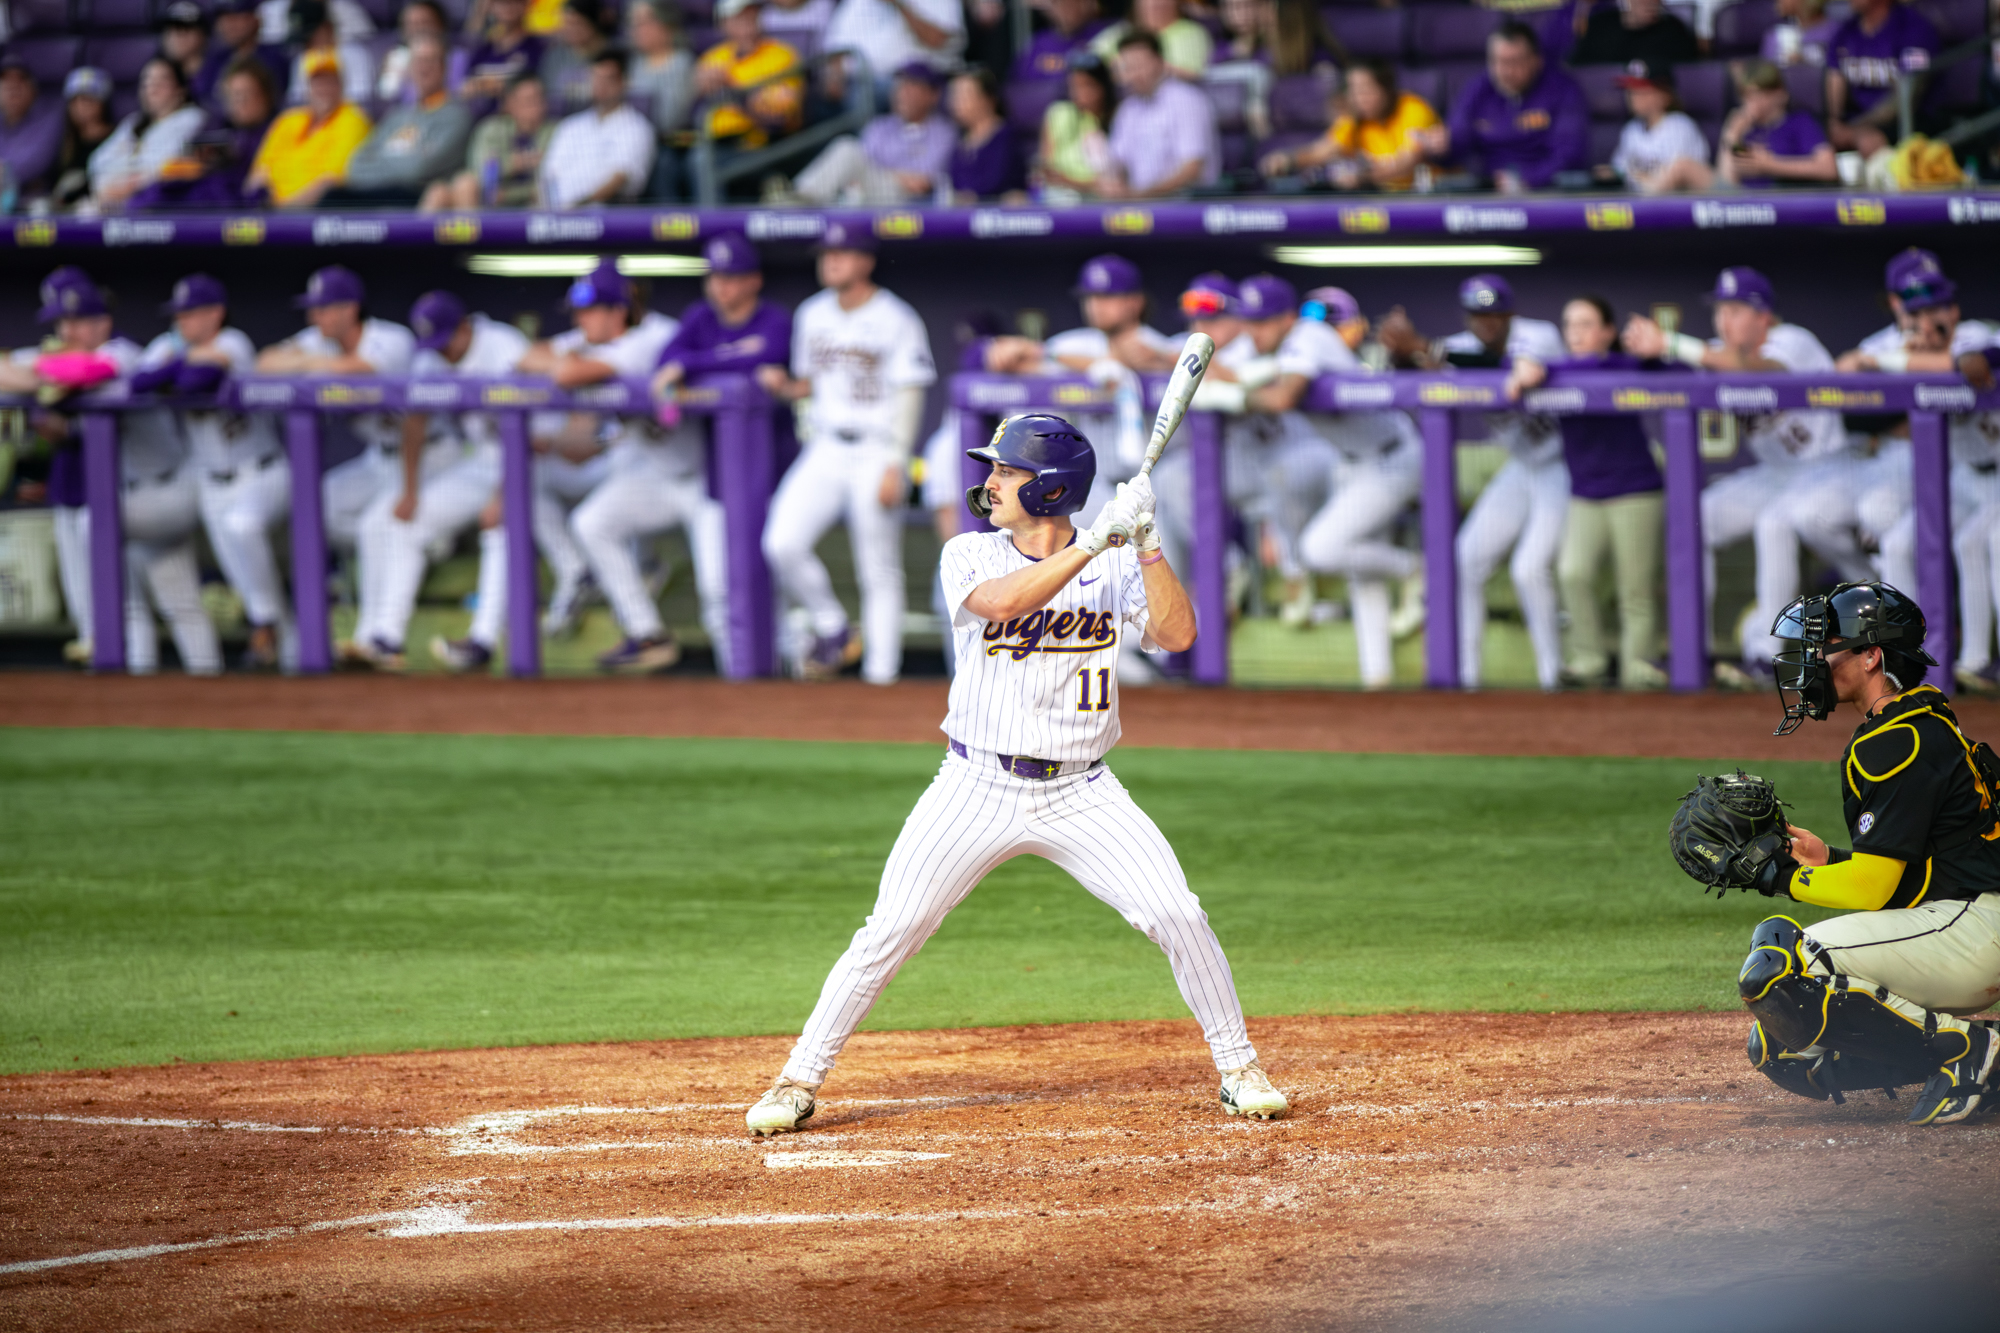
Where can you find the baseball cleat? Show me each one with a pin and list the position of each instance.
(461, 655)
(641, 656)
(565, 614)
(1980, 681)
(1956, 1091)
(374, 655)
(1750, 677)
(1248, 1092)
(783, 1109)
(831, 654)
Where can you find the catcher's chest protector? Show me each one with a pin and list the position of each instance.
(1912, 788)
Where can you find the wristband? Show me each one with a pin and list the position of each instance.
(1895, 362)
(1153, 559)
(1686, 348)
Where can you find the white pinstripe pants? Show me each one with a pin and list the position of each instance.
(973, 818)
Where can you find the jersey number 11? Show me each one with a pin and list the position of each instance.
(1103, 704)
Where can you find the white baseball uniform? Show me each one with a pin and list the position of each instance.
(1522, 508)
(1803, 486)
(1045, 686)
(656, 479)
(449, 499)
(1376, 478)
(159, 509)
(350, 487)
(857, 361)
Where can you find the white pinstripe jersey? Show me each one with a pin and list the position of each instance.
(1975, 436)
(495, 350)
(221, 441)
(1044, 685)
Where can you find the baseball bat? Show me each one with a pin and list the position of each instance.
(1189, 367)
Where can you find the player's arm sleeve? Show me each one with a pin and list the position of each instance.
(1133, 607)
(911, 363)
(1862, 883)
(960, 574)
(906, 418)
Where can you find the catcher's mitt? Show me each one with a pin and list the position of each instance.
(1727, 830)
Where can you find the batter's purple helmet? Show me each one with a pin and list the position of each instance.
(1055, 451)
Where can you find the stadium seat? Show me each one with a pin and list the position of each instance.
(1028, 100)
(1228, 99)
(1601, 90)
(1603, 140)
(1457, 77)
(104, 16)
(124, 101)
(121, 57)
(1958, 88)
(1956, 20)
(39, 16)
(1740, 28)
(1428, 84)
(1704, 88)
(1298, 104)
(1371, 34)
(1238, 155)
(1808, 88)
(49, 59)
(1451, 32)
(383, 12)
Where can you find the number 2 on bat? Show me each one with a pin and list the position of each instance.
(1103, 704)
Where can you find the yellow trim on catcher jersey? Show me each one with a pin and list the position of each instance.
(1863, 883)
(1854, 752)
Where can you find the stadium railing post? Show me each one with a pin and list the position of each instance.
(517, 517)
(745, 459)
(1687, 601)
(101, 492)
(1440, 520)
(973, 430)
(1211, 523)
(302, 446)
(1930, 494)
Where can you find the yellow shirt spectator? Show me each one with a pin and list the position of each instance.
(544, 16)
(780, 104)
(1375, 140)
(296, 152)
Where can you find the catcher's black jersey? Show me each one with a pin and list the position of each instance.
(1910, 791)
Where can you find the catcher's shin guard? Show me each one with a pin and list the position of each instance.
(1823, 1073)
(1888, 1040)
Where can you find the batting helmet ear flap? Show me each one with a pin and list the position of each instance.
(978, 501)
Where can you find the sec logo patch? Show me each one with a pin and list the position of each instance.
(1866, 822)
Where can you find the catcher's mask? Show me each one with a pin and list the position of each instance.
(1852, 617)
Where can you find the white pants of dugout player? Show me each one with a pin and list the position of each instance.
(649, 491)
(976, 816)
(1903, 980)
(1778, 506)
(1351, 537)
(240, 508)
(832, 480)
(159, 515)
(396, 552)
(558, 483)
(1522, 508)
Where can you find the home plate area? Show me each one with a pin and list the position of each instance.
(1436, 1171)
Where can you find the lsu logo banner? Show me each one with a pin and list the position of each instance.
(675, 226)
(1046, 631)
(243, 231)
(35, 231)
(1128, 221)
(457, 231)
(1608, 217)
(899, 226)
(1862, 212)
(1364, 221)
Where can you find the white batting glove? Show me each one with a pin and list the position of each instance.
(1139, 491)
(1146, 537)
(1114, 526)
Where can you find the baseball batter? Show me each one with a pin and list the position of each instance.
(244, 477)
(864, 359)
(1036, 608)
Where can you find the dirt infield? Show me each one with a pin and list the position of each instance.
(1703, 726)
(1437, 1172)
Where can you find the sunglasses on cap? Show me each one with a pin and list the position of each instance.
(1202, 303)
(1919, 291)
(1315, 310)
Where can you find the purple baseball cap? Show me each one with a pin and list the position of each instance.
(731, 253)
(1331, 305)
(847, 236)
(921, 71)
(1266, 296)
(332, 285)
(1108, 275)
(1918, 281)
(69, 293)
(1746, 285)
(603, 285)
(193, 292)
(1208, 296)
(435, 318)
(1486, 294)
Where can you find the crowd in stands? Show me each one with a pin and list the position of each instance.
(108, 105)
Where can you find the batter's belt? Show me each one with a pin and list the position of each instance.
(1034, 770)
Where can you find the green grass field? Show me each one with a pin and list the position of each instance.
(209, 895)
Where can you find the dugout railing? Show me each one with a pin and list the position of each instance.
(1437, 401)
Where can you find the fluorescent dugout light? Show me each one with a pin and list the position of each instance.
(1405, 256)
(575, 266)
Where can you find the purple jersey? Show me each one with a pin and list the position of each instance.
(1797, 135)
(1542, 132)
(705, 345)
(1607, 453)
(1047, 56)
(1905, 44)
(990, 170)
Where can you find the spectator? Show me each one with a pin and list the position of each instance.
(145, 141)
(1249, 49)
(1882, 41)
(1074, 23)
(799, 24)
(1377, 135)
(286, 23)
(86, 125)
(506, 155)
(567, 63)
(746, 59)
(237, 34)
(31, 128)
(987, 163)
(1304, 43)
(1634, 30)
(1076, 143)
(419, 19)
(1184, 44)
(506, 51)
(1801, 35)
(889, 34)
(661, 74)
(1660, 150)
(184, 39)
(899, 157)
(602, 155)
(1765, 142)
(306, 152)
(1521, 123)
(414, 145)
(1163, 137)
(222, 151)
(320, 34)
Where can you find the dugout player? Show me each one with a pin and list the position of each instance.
(864, 358)
(1036, 608)
(1879, 997)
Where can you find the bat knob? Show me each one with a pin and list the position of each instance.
(1116, 539)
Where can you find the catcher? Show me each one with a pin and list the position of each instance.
(1877, 998)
